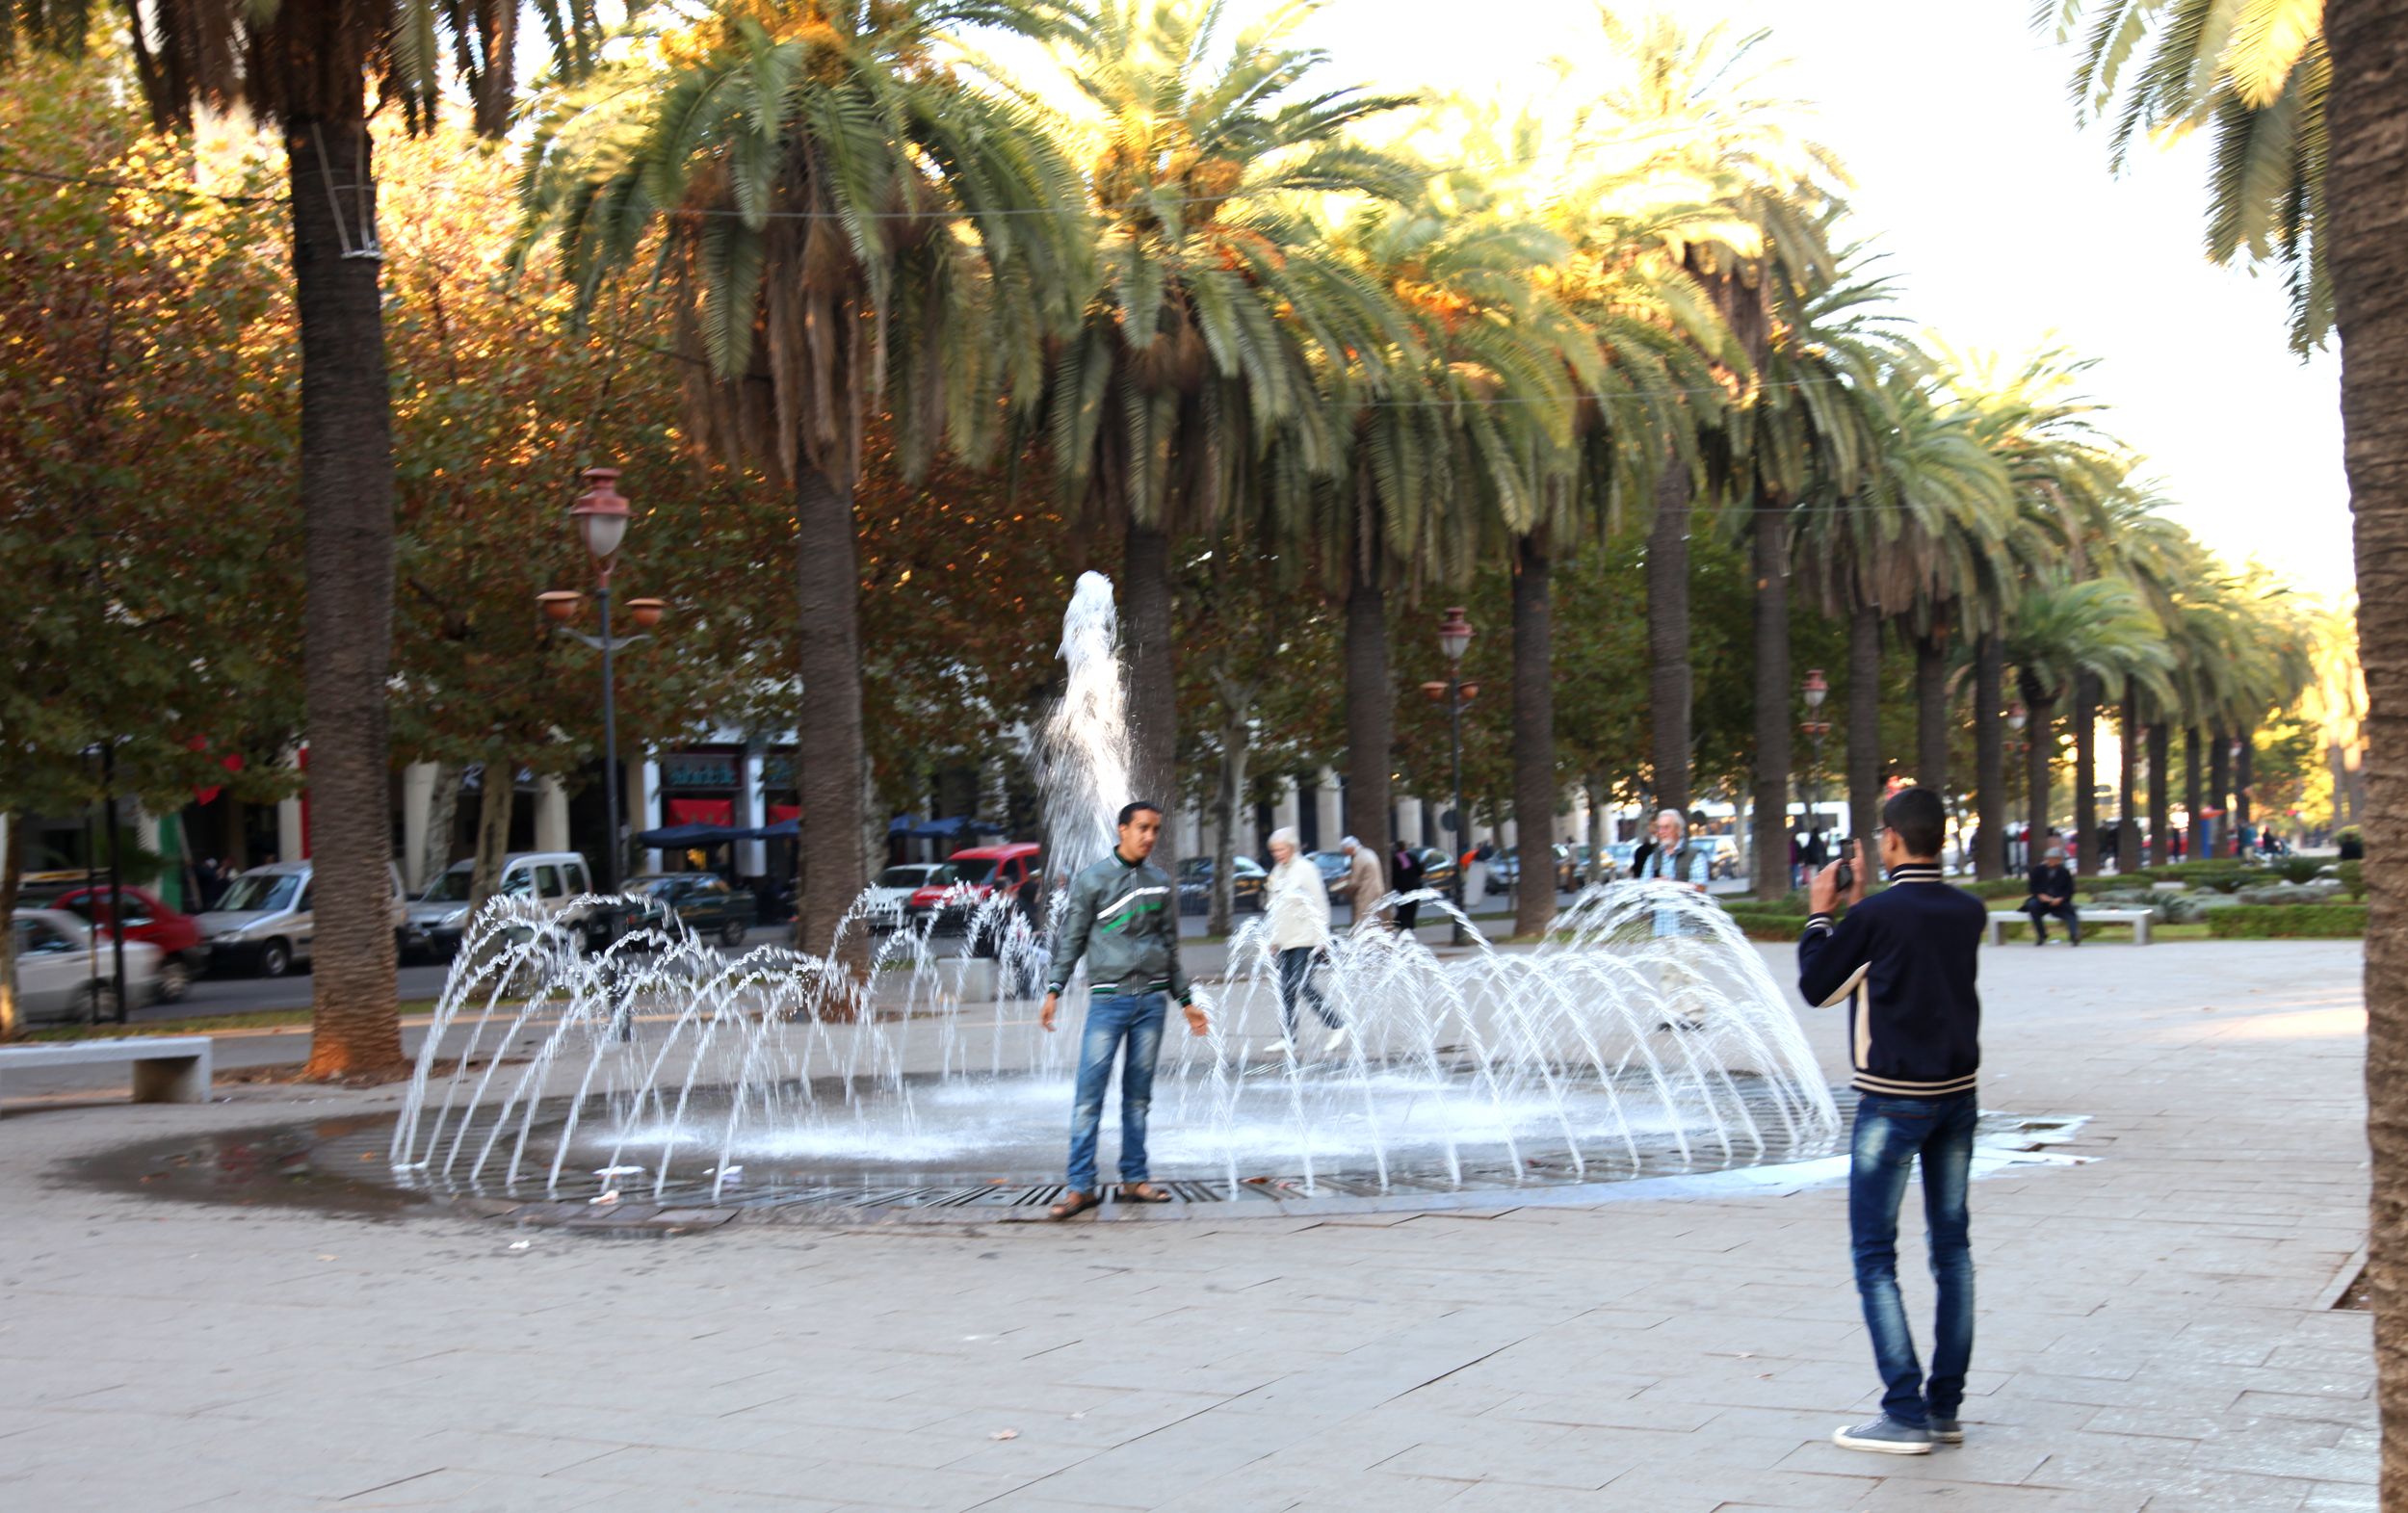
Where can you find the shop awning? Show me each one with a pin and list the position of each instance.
(720, 812)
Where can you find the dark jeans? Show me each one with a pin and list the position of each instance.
(1296, 981)
(2040, 913)
(1134, 1019)
(1891, 1135)
(1408, 914)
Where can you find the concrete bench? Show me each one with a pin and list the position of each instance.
(168, 1069)
(2139, 918)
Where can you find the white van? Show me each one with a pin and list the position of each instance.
(434, 924)
(264, 918)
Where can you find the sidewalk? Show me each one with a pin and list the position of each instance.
(2153, 1329)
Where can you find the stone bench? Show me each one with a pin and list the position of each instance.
(2139, 918)
(168, 1069)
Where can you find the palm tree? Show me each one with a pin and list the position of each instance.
(2068, 630)
(1694, 122)
(305, 64)
(1218, 306)
(847, 219)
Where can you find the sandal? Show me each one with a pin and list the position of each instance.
(1144, 1192)
(1075, 1204)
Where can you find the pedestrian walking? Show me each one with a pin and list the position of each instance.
(1364, 887)
(2052, 894)
(1408, 871)
(1121, 916)
(1686, 864)
(1295, 909)
(1903, 962)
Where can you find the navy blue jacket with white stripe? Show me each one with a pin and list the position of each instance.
(1905, 962)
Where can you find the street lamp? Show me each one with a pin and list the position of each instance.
(601, 515)
(1814, 691)
(1455, 639)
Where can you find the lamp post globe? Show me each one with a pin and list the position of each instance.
(601, 514)
(1455, 639)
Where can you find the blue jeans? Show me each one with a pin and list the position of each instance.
(1891, 1135)
(1135, 1019)
(1296, 981)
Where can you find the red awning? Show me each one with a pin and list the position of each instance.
(781, 813)
(702, 811)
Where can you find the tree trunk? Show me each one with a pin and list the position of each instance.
(1599, 801)
(2220, 793)
(1153, 681)
(2244, 776)
(1775, 756)
(1236, 733)
(828, 769)
(1535, 789)
(2160, 815)
(2127, 787)
(2194, 795)
(1989, 758)
(442, 818)
(1931, 714)
(2040, 704)
(12, 875)
(1864, 726)
(495, 796)
(347, 511)
(1667, 638)
(1370, 715)
(2086, 773)
(2368, 248)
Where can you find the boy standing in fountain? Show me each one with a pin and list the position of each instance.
(1123, 916)
(1904, 962)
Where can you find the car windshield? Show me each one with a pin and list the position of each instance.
(902, 877)
(261, 892)
(973, 870)
(450, 888)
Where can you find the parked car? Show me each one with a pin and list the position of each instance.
(434, 924)
(1196, 883)
(1332, 866)
(1438, 869)
(967, 879)
(182, 953)
(704, 901)
(891, 894)
(263, 920)
(63, 972)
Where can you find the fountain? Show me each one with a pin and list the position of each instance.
(1644, 1038)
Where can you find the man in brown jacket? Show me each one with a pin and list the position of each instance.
(1365, 886)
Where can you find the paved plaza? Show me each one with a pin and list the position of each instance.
(2156, 1328)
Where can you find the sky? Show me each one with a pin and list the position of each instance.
(2003, 226)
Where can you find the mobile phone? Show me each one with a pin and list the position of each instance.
(1846, 876)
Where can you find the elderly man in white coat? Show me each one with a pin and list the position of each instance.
(1295, 911)
(1365, 884)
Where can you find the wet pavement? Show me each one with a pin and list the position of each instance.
(2155, 1330)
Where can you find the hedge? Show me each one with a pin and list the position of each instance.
(2294, 921)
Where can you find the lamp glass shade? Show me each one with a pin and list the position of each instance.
(1455, 635)
(1816, 689)
(603, 531)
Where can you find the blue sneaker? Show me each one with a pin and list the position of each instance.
(1948, 1431)
(1885, 1436)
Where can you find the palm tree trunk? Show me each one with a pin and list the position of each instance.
(495, 796)
(1667, 638)
(12, 878)
(2194, 797)
(442, 818)
(1237, 729)
(1371, 712)
(2041, 728)
(1931, 713)
(2220, 791)
(828, 773)
(2161, 816)
(1989, 758)
(2244, 776)
(1775, 753)
(2369, 256)
(1535, 789)
(2086, 773)
(1153, 681)
(1864, 725)
(2127, 787)
(346, 514)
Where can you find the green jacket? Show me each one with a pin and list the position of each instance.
(1124, 918)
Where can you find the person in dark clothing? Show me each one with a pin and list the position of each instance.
(2052, 894)
(1905, 962)
(1405, 872)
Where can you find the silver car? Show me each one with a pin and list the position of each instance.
(264, 918)
(65, 972)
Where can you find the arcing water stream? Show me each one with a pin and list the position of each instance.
(1645, 1034)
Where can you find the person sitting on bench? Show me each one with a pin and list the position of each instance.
(2053, 893)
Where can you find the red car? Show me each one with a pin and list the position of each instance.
(182, 953)
(969, 878)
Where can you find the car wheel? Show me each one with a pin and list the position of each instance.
(275, 959)
(734, 932)
(175, 980)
